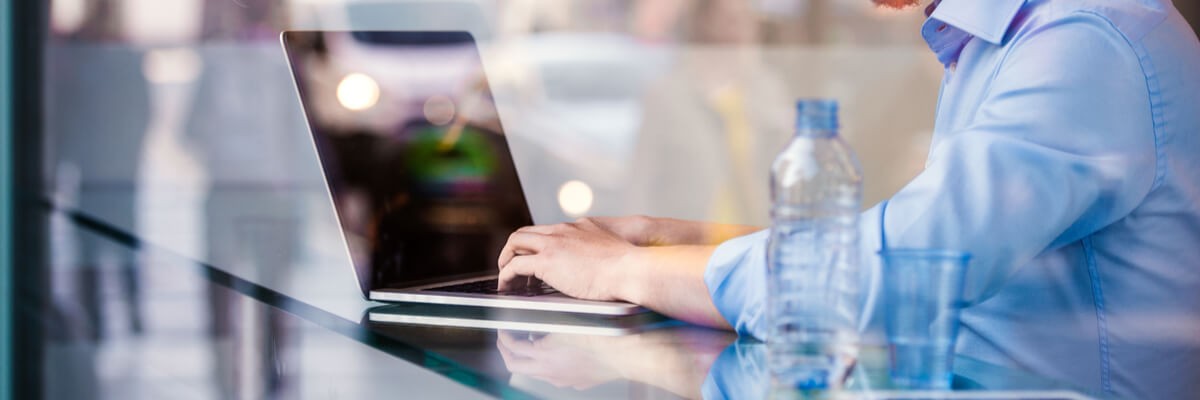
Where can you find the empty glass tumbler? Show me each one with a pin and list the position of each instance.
(923, 292)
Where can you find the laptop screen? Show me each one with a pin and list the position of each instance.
(413, 153)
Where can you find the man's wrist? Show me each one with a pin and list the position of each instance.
(672, 232)
(630, 280)
(649, 231)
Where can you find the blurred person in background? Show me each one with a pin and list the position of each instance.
(96, 144)
(717, 119)
(97, 114)
(1065, 159)
(652, 20)
(247, 142)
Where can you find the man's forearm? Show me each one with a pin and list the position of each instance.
(672, 232)
(719, 233)
(670, 280)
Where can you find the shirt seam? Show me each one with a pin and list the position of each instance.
(1101, 315)
(987, 92)
(1154, 94)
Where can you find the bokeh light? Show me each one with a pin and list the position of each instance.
(358, 92)
(439, 110)
(67, 16)
(575, 198)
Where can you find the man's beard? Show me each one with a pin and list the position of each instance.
(897, 4)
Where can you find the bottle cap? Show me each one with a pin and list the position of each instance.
(816, 115)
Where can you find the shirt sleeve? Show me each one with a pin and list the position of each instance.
(736, 277)
(1061, 146)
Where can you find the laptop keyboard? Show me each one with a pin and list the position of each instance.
(488, 286)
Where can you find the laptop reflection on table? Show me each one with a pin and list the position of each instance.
(509, 319)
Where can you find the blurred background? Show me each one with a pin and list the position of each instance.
(178, 123)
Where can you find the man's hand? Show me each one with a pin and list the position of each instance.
(676, 359)
(561, 360)
(581, 259)
(600, 259)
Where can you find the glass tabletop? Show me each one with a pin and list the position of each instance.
(238, 331)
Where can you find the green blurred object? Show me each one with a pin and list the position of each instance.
(455, 166)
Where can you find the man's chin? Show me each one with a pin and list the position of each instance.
(897, 4)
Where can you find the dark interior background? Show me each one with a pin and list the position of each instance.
(1191, 11)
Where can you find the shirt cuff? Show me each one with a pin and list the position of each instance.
(736, 277)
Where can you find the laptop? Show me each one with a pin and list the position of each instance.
(418, 167)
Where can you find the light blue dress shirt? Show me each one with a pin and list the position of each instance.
(1066, 160)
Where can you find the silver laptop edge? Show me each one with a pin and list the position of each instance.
(546, 302)
(503, 325)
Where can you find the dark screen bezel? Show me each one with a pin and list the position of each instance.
(363, 277)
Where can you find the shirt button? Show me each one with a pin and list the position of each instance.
(942, 28)
(953, 66)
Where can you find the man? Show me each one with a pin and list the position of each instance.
(1065, 158)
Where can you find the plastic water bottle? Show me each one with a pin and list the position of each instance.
(812, 257)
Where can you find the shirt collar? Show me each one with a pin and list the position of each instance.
(988, 20)
(952, 23)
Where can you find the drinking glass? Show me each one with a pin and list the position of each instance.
(923, 290)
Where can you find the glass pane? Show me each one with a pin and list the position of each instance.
(203, 244)
(181, 124)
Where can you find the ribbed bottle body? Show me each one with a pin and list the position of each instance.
(814, 294)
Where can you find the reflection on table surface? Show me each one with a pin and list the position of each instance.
(684, 361)
(217, 168)
(259, 342)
